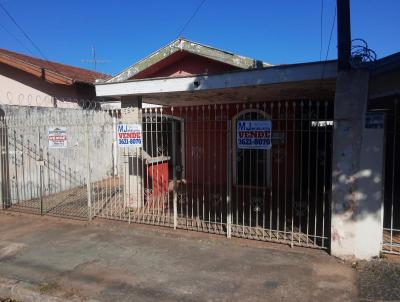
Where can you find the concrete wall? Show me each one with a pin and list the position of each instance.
(356, 226)
(24, 142)
(20, 88)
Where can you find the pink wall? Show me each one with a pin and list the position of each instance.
(21, 88)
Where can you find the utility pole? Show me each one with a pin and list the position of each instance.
(343, 34)
(94, 60)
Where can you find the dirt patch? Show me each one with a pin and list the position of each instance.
(379, 280)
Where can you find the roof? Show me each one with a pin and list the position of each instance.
(51, 71)
(387, 64)
(182, 44)
(313, 80)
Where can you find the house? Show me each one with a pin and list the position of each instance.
(206, 95)
(274, 153)
(26, 80)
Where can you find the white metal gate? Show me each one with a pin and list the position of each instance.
(193, 175)
(189, 171)
(44, 158)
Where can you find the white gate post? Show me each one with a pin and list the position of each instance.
(175, 194)
(133, 161)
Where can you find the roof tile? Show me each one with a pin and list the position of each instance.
(77, 74)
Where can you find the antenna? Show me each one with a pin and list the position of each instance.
(94, 60)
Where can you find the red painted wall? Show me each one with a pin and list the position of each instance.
(206, 147)
(184, 64)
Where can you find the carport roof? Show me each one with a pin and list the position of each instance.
(314, 80)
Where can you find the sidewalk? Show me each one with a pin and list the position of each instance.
(111, 261)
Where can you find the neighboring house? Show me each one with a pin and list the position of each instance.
(26, 80)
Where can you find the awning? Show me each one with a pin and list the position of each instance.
(309, 81)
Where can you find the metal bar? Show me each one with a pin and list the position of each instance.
(209, 167)
(148, 190)
(316, 176)
(40, 173)
(229, 179)
(16, 175)
(308, 169)
(393, 172)
(158, 183)
(257, 196)
(183, 188)
(199, 151)
(271, 196)
(293, 171)
(203, 168)
(214, 167)
(286, 168)
(243, 181)
(194, 159)
(324, 173)
(250, 179)
(279, 170)
(2, 164)
(301, 169)
(175, 194)
(219, 161)
(236, 165)
(88, 184)
(265, 181)
(189, 122)
(152, 167)
(162, 156)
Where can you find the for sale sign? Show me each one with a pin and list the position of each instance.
(57, 137)
(254, 135)
(130, 135)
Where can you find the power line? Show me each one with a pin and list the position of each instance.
(16, 38)
(22, 31)
(329, 43)
(330, 35)
(321, 23)
(191, 18)
(28, 38)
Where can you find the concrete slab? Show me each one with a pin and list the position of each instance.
(111, 261)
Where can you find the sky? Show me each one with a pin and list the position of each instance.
(123, 32)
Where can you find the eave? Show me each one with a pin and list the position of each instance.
(301, 80)
(48, 75)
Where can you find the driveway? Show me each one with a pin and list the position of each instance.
(113, 261)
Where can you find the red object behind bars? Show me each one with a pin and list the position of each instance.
(157, 175)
